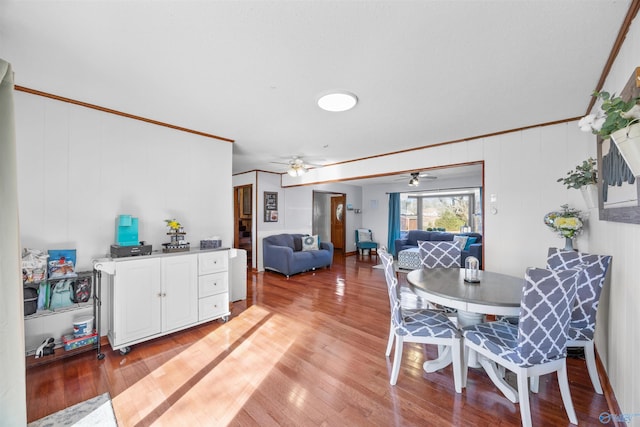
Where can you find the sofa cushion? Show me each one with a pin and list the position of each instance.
(470, 241)
(462, 241)
(414, 235)
(281, 240)
(310, 243)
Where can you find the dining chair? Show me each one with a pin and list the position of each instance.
(588, 288)
(537, 345)
(439, 254)
(420, 326)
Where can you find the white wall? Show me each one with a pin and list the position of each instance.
(618, 337)
(13, 408)
(79, 168)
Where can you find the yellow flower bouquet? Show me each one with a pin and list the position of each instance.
(567, 223)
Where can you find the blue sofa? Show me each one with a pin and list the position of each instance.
(413, 236)
(283, 253)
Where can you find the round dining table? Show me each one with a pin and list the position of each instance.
(495, 293)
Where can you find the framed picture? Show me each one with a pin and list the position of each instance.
(270, 206)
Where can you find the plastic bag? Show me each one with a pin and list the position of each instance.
(81, 289)
(34, 265)
(61, 295)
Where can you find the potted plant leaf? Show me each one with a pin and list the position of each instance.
(584, 178)
(619, 120)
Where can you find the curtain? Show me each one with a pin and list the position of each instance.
(13, 405)
(394, 221)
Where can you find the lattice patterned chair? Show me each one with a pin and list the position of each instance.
(439, 254)
(420, 326)
(537, 345)
(583, 316)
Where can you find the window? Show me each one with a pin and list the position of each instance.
(448, 211)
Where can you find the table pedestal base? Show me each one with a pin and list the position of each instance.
(443, 360)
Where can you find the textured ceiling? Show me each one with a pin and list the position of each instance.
(425, 71)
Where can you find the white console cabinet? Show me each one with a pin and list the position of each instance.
(158, 294)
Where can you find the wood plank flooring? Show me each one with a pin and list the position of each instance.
(308, 350)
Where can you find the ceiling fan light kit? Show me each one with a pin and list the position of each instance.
(297, 170)
(337, 101)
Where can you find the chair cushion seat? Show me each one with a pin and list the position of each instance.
(500, 338)
(426, 323)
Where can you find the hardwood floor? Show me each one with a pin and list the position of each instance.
(308, 350)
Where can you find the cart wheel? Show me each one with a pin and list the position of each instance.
(125, 350)
(101, 356)
(225, 319)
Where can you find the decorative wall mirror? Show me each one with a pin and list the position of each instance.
(618, 190)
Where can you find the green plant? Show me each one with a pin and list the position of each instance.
(614, 114)
(584, 174)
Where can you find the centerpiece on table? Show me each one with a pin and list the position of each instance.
(568, 223)
(177, 234)
(584, 178)
(619, 120)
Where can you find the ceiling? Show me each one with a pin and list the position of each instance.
(425, 72)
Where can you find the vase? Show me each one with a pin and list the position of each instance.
(568, 244)
(590, 195)
(628, 142)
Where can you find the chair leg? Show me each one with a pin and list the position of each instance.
(563, 381)
(397, 359)
(535, 383)
(590, 358)
(523, 397)
(390, 340)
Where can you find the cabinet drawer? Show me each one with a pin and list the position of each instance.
(213, 306)
(212, 262)
(212, 284)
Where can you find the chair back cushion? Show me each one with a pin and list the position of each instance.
(545, 311)
(439, 254)
(392, 287)
(363, 235)
(588, 287)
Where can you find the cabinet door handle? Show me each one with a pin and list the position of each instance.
(164, 294)
(160, 294)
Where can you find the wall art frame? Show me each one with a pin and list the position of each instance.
(270, 206)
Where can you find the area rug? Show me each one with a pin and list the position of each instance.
(93, 412)
(395, 266)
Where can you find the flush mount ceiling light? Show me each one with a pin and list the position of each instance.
(337, 101)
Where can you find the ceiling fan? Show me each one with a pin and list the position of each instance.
(414, 181)
(297, 166)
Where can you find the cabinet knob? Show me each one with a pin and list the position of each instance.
(160, 294)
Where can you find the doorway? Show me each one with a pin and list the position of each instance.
(329, 218)
(337, 221)
(243, 219)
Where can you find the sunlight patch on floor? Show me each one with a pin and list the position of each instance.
(210, 381)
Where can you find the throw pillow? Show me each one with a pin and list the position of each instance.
(461, 240)
(310, 243)
(470, 241)
(364, 236)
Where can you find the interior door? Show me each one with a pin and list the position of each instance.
(338, 213)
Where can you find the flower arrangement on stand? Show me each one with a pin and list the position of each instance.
(568, 223)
